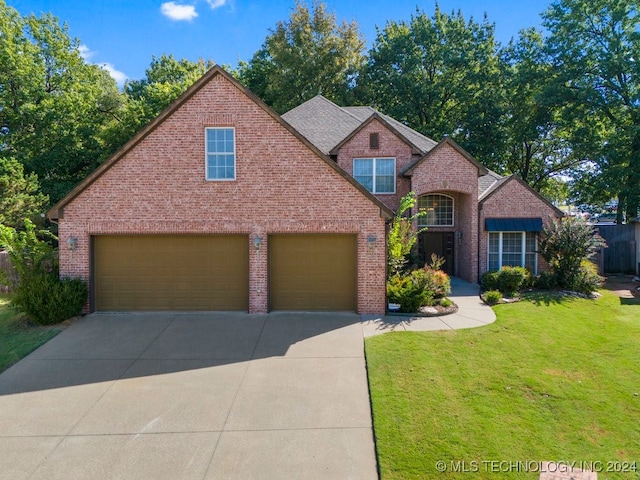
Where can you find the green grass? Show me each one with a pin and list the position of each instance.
(553, 379)
(18, 338)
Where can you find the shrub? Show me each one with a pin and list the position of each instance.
(492, 297)
(409, 292)
(508, 280)
(489, 281)
(402, 236)
(38, 291)
(512, 279)
(445, 302)
(587, 280)
(546, 281)
(436, 282)
(566, 244)
(47, 299)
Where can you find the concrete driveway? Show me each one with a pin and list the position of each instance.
(191, 396)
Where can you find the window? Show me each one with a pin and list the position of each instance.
(221, 154)
(514, 249)
(439, 210)
(378, 175)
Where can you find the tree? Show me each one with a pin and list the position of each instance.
(537, 148)
(142, 100)
(54, 106)
(19, 195)
(440, 75)
(307, 55)
(595, 47)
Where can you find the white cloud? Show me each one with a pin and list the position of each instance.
(117, 75)
(179, 12)
(216, 3)
(85, 52)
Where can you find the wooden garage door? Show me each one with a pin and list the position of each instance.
(171, 272)
(313, 272)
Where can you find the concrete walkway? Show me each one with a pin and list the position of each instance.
(191, 396)
(472, 312)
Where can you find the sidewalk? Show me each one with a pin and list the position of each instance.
(472, 312)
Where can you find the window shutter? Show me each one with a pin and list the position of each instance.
(374, 141)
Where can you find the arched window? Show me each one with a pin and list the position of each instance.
(439, 210)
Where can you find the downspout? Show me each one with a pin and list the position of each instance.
(479, 237)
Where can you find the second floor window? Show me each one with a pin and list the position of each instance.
(378, 175)
(221, 154)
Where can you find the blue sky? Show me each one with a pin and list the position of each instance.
(123, 35)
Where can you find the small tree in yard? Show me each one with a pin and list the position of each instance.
(567, 245)
(402, 237)
(38, 290)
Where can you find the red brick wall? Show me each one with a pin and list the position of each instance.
(389, 146)
(446, 171)
(159, 187)
(512, 200)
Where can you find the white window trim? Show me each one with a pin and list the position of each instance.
(453, 211)
(523, 250)
(374, 172)
(206, 156)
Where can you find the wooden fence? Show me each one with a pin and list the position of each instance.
(620, 254)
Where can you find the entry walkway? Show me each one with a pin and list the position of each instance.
(472, 312)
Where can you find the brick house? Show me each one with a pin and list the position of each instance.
(221, 204)
(476, 219)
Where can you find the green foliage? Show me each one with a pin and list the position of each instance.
(307, 55)
(492, 297)
(38, 291)
(566, 244)
(441, 76)
(546, 280)
(445, 302)
(587, 280)
(594, 47)
(19, 196)
(48, 299)
(508, 280)
(402, 236)
(54, 104)
(419, 288)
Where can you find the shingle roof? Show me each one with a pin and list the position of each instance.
(325, 124)
(487, 183)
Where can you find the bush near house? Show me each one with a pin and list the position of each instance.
(422, 287)
(508, 280)
(37, 290)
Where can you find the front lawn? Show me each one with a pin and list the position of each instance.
(553, 379)
(18, 338)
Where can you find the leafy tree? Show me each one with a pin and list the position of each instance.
(537, 149)
(54, 106)
(441, 76)
(307, 55)
(566, 244)
(595, 46)
(143, 100)
(19, 195)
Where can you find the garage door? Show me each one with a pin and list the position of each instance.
(171, 272)
(313, 272)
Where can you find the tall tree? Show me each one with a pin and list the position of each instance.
(307, 55)
(441, 76)
(537, 149)
(595, 45)
(54, 106)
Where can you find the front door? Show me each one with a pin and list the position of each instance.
(440, 243)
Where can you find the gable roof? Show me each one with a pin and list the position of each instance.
(514, 178)
(57, 210)
(482, 170)
(328, 126)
